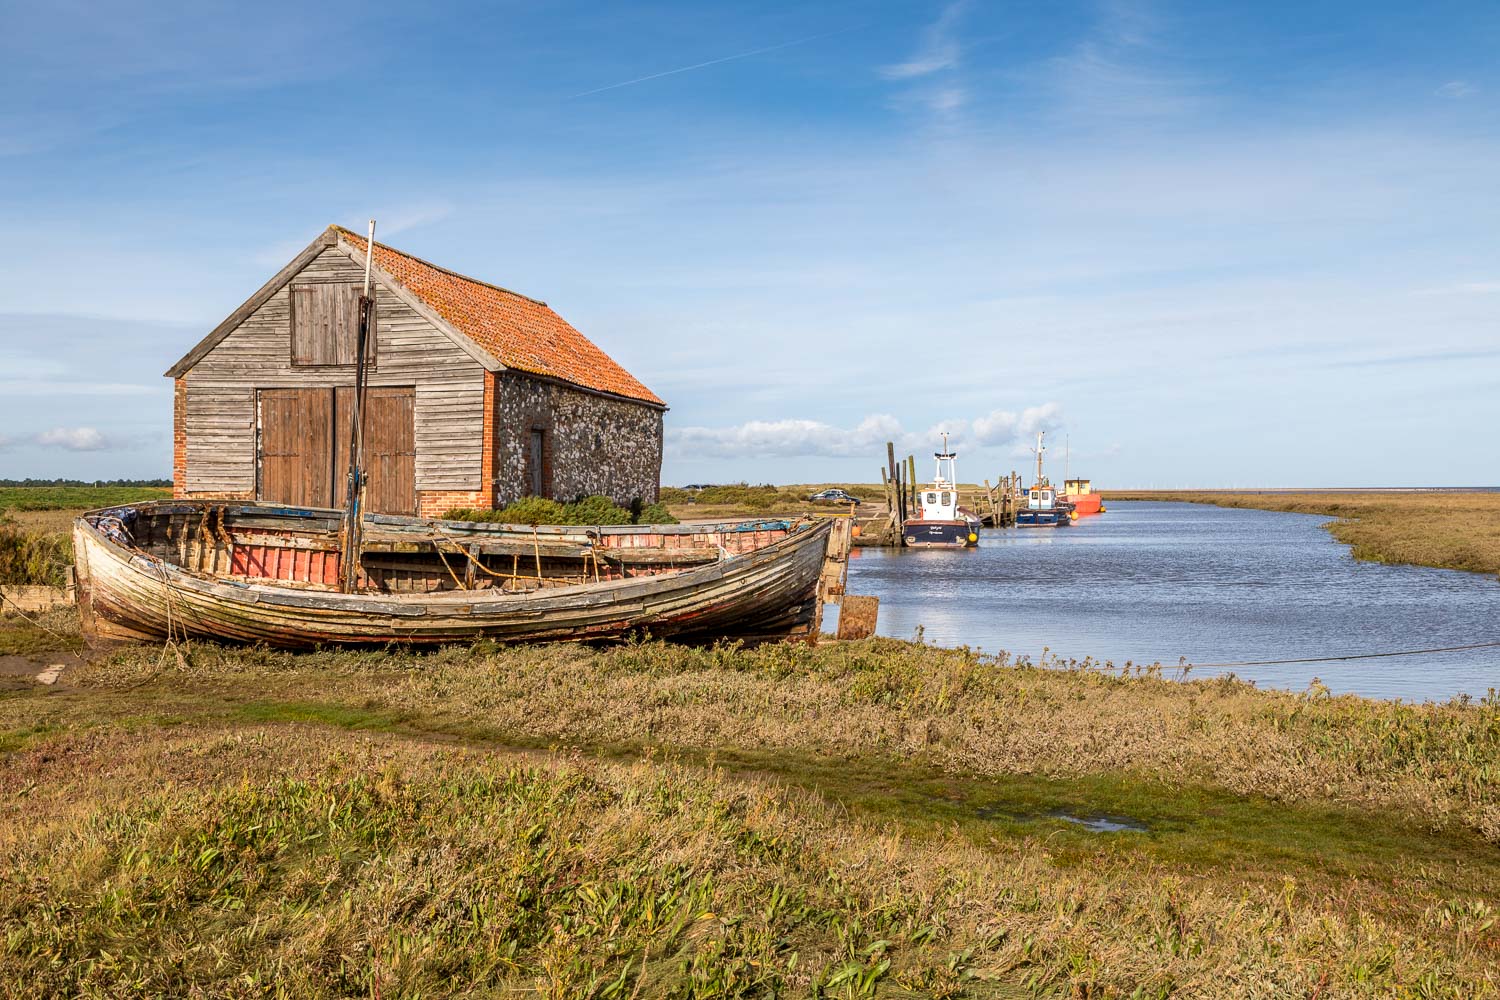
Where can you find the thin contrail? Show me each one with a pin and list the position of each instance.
(711, 62)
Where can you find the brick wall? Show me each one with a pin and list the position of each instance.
(432, 503)
(592, 444)
(487, 464)
(179, 438)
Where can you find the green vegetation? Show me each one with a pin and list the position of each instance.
(753, 501)
(1448, 530)
(79, 498)
(877, 818)
(33, 558)
(589, 510)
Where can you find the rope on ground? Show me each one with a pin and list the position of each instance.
(22, 612)
(1352, 656)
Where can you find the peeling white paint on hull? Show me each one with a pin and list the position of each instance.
(127, 592)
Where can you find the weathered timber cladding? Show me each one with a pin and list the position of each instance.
(325, 322)
(296, 446)
(219, 410)
(593, 444)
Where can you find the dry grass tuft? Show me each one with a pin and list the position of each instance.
(867, 819)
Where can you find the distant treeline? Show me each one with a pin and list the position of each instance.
(85, 482)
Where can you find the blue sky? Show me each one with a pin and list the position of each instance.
(1211, 245)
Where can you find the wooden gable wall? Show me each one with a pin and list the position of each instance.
(220, 418)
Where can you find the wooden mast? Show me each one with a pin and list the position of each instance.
(355, 490)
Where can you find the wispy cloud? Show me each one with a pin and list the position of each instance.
(1464, 288)
(797, 438)
(934, 66)
(1418, 358)
(1457, 89)
(404, 218)
(83, 387)
(706, 63)
(939, 49)
(75, 439)
(1122, 69)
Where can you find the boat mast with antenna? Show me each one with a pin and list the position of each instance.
(355, 488)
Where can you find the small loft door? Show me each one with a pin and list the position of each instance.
(304, 447)
(537, 461)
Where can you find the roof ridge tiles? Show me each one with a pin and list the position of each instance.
(438, 267)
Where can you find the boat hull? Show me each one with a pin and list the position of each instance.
(1087, 503)
(128, 593)
(918, 533)
(1042, 519)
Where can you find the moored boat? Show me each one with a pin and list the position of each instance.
(268, 573)
(1080, 493)
(940, 521)
(1043, 508)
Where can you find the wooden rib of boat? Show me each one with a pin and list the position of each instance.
(267, 573)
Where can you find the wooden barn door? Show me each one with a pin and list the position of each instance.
(296, 447)
(304, 447)
(390, 447)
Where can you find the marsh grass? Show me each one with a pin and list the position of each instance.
(744, 500)
(33, 558)
(873, 818)
(1446, 530)
(588, 510)
(76, 498)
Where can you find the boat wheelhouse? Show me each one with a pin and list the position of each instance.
(940, 520)
(1043, 507)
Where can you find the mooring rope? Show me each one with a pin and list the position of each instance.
(22, 612)
(1352, 656)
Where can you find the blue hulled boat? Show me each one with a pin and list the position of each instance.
(940, 521)
(1044, 508)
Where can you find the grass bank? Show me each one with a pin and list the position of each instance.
(868, 819)
(1445, 530)
(743, 500)
(36, 545)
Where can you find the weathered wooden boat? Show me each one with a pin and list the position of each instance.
(268, 573)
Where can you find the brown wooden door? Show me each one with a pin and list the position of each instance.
(296, 428)
(390, 447)
(304, 447)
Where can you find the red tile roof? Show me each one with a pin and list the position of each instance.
(521, 332)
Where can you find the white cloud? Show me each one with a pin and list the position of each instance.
(939, 57)
(1457, 89)
(786, 438)
(61, 387)
(1463, 288)
(74, 439)
(796, 438)
(939, 49)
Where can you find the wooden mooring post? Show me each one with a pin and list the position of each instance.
(857, 613)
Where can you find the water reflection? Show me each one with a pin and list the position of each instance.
(1153, 582)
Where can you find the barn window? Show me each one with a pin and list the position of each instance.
(325, 325)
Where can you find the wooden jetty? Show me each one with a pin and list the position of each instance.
(994, 505)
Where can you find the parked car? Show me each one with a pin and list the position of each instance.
(835, 496)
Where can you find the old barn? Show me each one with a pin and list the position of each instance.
(478, 395)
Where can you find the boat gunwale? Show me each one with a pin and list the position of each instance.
(416, 604)
(475, 527)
